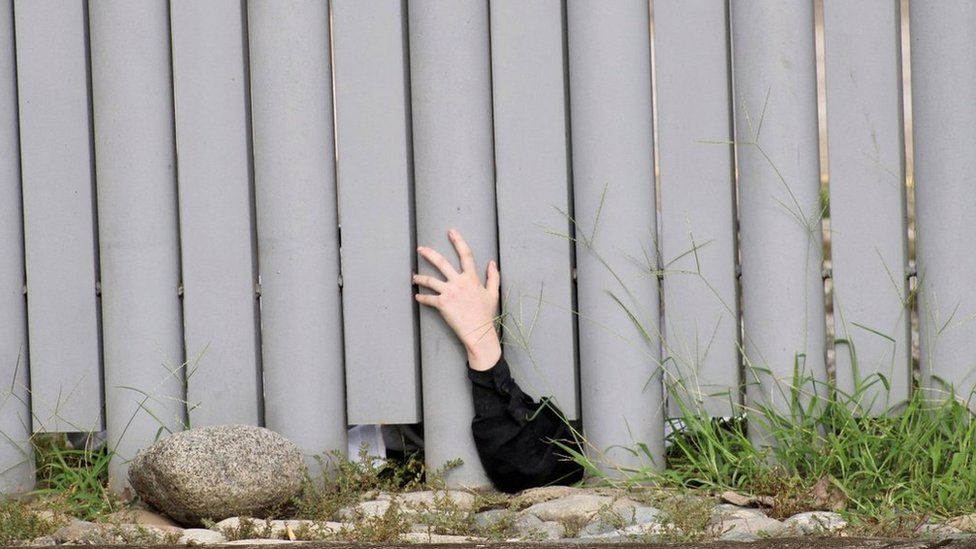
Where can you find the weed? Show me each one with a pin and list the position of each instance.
(76, 478)
(444, 516)
(573, 525)
(501, 529)
(687, 518)
(246, 528)
(19, 522)
(385, 528)
(343, 482)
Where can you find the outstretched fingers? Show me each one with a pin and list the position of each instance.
(435, 284)
(463, 250)
(427, 299)
(437, 260)
(494, 279)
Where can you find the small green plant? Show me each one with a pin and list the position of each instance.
(444, 516)
(247, 528)
(75, 478)
(385, 528)
(343, 482)
(20, 523)
(826, 452)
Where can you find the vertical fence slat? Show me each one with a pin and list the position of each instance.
(454, 177)
(866, 156)
(16, 463)
(298, 241)
(55, 138)
(944, 119)
(132, 102)
(691, 44)
(375, 211)
(779, 213)
(613, 179)
(213, 142)
(531, 152)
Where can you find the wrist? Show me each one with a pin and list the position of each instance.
(484, 353)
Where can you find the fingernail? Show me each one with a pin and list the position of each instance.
(452, 233)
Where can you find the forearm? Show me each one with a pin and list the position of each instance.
(513, 433)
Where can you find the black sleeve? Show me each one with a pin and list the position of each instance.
(514, 434)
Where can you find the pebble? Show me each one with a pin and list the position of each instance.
(730, 522)
(579, 507)
(411, 502)
(258, 541)
(280, 528)
(815, 522)
(488, 519)
(201, 536)
(418, 537)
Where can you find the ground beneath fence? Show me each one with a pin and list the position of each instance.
(805, 543)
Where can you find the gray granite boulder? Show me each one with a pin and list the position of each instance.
(218, 472)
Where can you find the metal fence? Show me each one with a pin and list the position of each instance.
(173, 177)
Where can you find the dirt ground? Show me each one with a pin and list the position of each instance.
(776, 543)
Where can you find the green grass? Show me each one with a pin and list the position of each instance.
(917, 460)
(20, 522)
(74, 480)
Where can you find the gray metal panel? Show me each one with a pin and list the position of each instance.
(533, 196)
(613, 178)
(375, 210)
(866, 155)
(691, 44)
(452, 140)
(16, 462)
(779, 180)
(298, 240)
(944, 120)
(55, 138)
(132, 101)
(212, 138)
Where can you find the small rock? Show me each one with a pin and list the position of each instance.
(218, 472)
(88, 533)
(596, 528)
(739, 535)
(543, 531)
(487, 519)
(966, 523)
(524, 524)
(730, 520)
(941, 531)
(75, 530)
(265, 529)
(147, 517)
(545, 493)
(200, 536)
(411, 503)
(373, 508)
(417, 537)
(43, 541)
(628, 533)
(644, 514)
(258, 542)
(741, 500)
(815, 522)
(579, 507)
(433, 498)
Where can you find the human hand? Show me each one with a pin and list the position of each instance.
(468, 307)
